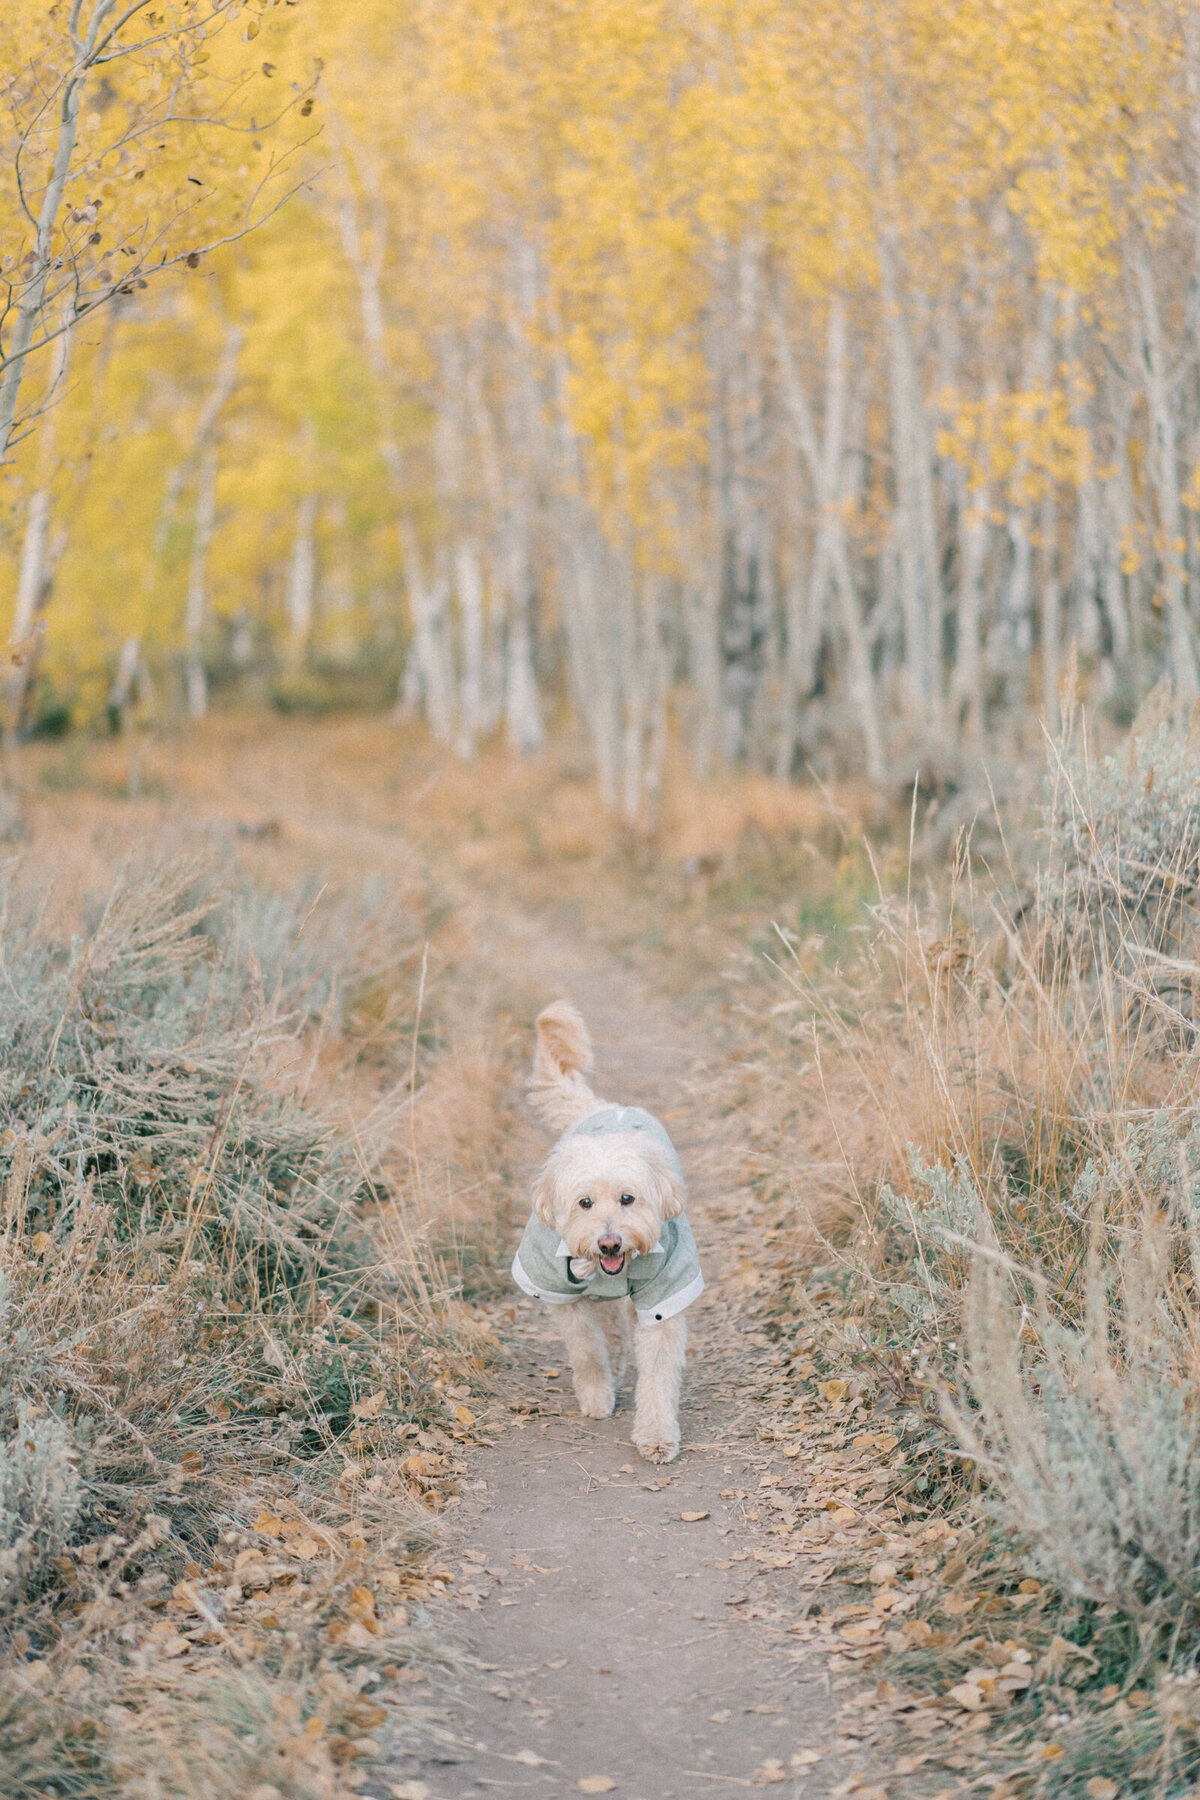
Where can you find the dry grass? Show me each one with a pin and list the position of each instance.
(998, 1159)
(230, 1315)
(995, 1051)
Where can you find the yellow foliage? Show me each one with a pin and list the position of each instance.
(560, 184)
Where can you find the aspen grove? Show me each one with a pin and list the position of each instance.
(814, 384)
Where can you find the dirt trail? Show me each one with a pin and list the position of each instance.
(592, 1631)
(599, 1634)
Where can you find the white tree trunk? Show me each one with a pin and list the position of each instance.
(196, 610)
(32, 299)
(469, 587)
(590, 632)
(204, 521)
(967, 685)
(1164, 470)
(301, 584)
(37, 557)
(431, 649)
(1050, 610)
(522, 710)
(32, 575)
(831, 559)
(916, 526)
(128, 664)
(365, 246)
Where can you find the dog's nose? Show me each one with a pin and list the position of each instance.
(610, 1245)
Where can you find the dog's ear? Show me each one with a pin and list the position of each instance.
(669, 1191)
(543, 1194)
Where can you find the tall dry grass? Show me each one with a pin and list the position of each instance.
(1008, 1166)
(229, 1313)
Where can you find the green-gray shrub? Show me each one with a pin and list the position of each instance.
(1091, 1436)
(41, 1495)
(1124, 838)
(137, 1066)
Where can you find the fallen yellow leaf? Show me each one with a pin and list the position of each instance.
(464, 1415)
(969, 1696)
(371, 1407)
(833, 1390)
(1101, 1787)
(270, 1524)
(689, 1518)
(596, 1784)
(862, 1633)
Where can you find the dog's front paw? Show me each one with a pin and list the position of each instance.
(596, 1399)
(657, 1449)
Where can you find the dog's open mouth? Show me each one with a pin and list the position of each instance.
(612, 1261)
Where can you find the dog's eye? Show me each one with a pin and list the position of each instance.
(627, 1200)
(585, 1203)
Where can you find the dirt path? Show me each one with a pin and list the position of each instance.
(591, 1630)
(599, 1633)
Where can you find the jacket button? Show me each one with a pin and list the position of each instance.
(658, 1316)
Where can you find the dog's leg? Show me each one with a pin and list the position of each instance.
(587, 1347)
(660, 1351)
(624, 1327)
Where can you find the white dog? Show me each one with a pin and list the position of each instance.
(608, 1224)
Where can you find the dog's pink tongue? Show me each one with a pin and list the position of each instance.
(612, 1265)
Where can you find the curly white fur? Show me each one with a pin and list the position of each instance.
(599, 1192)
(562, 1060)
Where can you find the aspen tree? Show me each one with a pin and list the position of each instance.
(816, 377)
(80, 61)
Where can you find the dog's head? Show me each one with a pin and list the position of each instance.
(607, 1196)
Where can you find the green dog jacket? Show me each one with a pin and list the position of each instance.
(660, 1283)
(611, 1120)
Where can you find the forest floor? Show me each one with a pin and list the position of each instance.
(592, 1623)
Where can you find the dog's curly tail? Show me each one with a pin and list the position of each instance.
(562, 1060)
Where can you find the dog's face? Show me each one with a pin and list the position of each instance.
(607, 1196)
